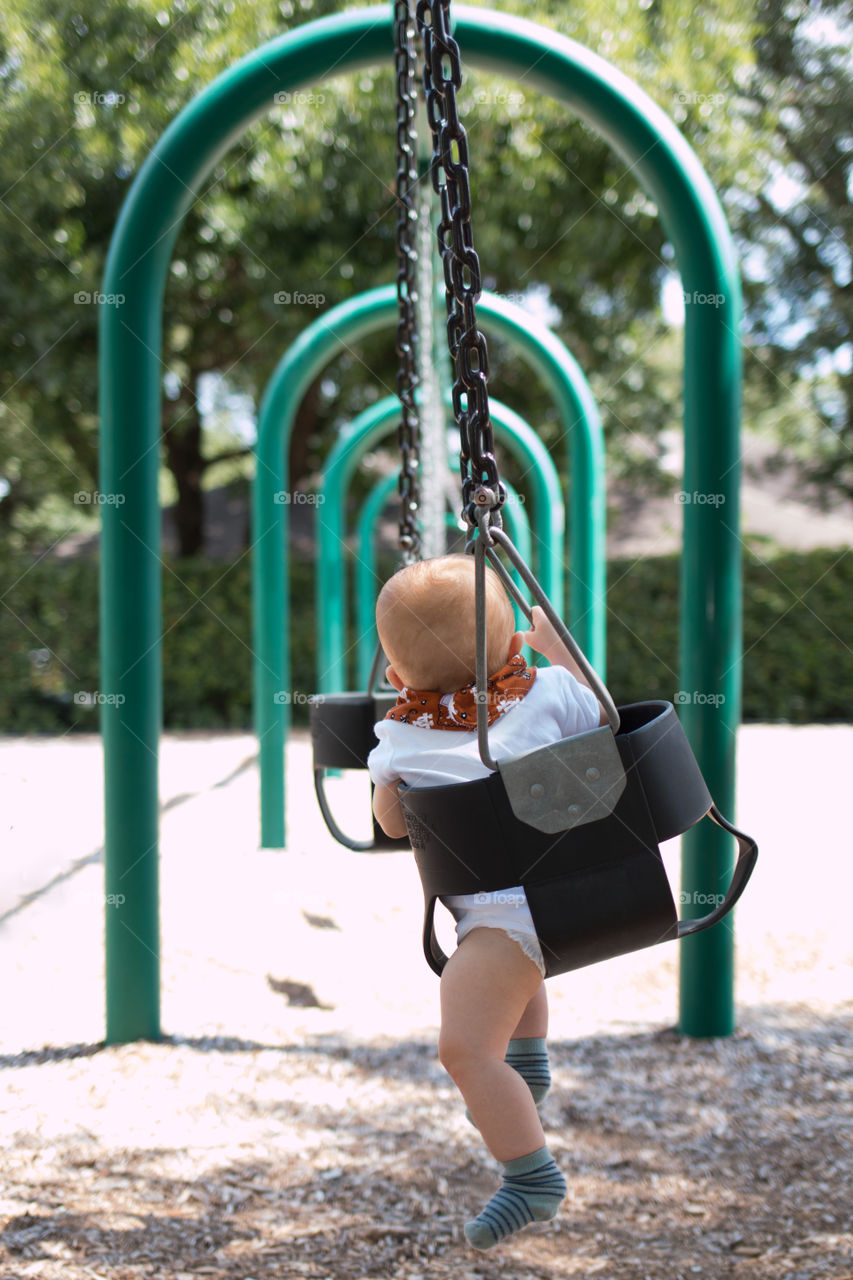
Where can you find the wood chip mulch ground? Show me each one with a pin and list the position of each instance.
(337, 1159)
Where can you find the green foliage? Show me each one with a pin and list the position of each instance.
(797, 666)
(797, 611)
(304, 204)
(49, 644)
(798, 227)
(207, 646)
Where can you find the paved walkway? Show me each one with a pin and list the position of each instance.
(243, 927)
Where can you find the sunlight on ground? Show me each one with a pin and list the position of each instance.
(280, 945)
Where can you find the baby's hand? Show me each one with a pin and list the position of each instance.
(542, 637)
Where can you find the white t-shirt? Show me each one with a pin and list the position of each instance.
(558, 706)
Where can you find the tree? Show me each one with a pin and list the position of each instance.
(798, 229)
(304, 205)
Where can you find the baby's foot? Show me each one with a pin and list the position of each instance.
(531, 1191)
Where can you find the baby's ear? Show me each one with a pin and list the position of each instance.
(516, 644)
(392, 678)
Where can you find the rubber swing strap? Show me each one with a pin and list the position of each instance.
(746, 859)
(359, 846)
(489, 536)
(435, 957)
(342, 737)
(379, 659)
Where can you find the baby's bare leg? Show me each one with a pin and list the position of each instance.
(486, 988)
(528, 1052)
(534, 1020)
(487, 985)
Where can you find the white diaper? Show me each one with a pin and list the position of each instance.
(504, 909)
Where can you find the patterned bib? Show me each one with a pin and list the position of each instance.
(429, 709)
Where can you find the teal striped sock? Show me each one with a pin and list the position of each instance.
(531, 1191)
(529, 1057)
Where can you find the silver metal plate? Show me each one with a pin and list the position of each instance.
(567, 783)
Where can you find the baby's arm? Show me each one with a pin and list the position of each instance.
(544, 639)
(388, 811)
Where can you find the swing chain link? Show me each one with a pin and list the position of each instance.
(442, 76)
(408, 435)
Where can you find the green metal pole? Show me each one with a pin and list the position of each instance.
(671, 174)
(299, 366)
(151, 218)
(130, 391)
(130, 671)
(305, 358)
(710, 654)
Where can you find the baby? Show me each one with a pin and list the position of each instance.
(494, 1010)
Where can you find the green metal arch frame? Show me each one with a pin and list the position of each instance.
(130, 407)
(363, 433)
(319, 342)
(366, 575)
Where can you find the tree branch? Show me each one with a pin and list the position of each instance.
(226, 456)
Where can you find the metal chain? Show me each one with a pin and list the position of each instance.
(442, 76)
(408, 435)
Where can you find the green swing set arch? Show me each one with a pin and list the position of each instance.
(130, 407)
(316, 345)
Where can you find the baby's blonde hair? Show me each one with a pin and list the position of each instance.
(425, 618)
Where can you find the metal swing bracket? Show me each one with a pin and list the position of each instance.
(568, 783)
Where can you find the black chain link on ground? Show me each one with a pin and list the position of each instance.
(408, 435)
(442, 76)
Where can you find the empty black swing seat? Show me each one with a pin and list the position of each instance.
(342, 737)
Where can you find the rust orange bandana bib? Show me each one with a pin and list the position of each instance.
(428, 709)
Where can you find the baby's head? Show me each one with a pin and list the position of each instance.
(425, 618)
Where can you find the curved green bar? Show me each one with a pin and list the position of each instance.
(366, 576)
(130, 398)
(347, 323)
(361, 435)
(305, 358)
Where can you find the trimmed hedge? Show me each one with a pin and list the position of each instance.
(798, 640)
(797, 634)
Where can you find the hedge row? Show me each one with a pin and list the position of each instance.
(798, 640)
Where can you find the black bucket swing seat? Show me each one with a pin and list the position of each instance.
(577, 823)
